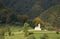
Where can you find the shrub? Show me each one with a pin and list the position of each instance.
(26, 33)
(31, 37)
(9, 31)
(57, 32)
(2, 32)
(45, 36)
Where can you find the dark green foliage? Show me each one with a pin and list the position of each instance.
(26, 33)
(31, 33)
(26, 25)
(50, 29)
(22, 18)
(52, 16)
(2, 33)
(45, 36)
(57, 32)
(9, 31)
(30, 7)
(32, 37)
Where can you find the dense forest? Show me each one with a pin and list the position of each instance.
(52, 15)
(19, 11)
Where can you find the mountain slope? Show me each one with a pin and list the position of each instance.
(52, 15)
(29, 7)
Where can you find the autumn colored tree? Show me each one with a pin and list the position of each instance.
(37, 20)
(22, 18)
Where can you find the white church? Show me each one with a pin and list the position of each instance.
(38, 27)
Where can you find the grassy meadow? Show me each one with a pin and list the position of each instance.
(17, 33)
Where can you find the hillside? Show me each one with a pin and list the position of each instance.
(29, 7)
(52, 15)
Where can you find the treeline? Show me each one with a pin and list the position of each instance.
(50, 15)
(29, 7)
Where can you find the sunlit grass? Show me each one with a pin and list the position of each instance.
(20, 35)
(17, 33)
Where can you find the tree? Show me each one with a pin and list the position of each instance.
(26, 33)
(37, 20)
(22, 18)
(7, 13)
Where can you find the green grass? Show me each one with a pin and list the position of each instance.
(51, 36)
(20, 35)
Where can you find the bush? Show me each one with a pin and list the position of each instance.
(2, 32)
(50, 28)
(57, 32)
(26, 25)
(9, 31)
(45, 36)
(31, 37)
